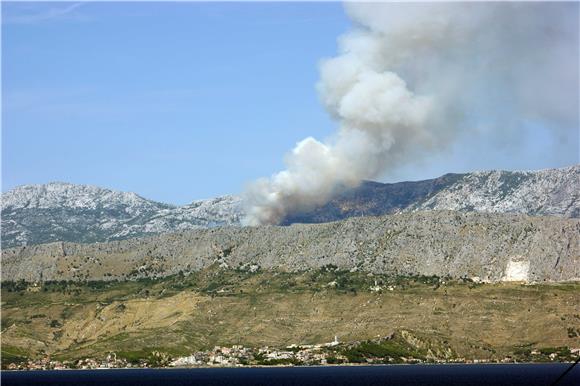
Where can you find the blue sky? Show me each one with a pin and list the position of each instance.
(186, 100)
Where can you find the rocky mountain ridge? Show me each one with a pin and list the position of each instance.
(35, 214)
(482, 246)
(549, 192)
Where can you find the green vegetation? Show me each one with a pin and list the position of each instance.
(388, 351)
(12, 354)
(222, 282)
(277, 362)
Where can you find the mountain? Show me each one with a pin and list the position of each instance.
(35, 214)
(375, 199)
(550, 192)
(490, 246)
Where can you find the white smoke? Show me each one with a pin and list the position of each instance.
(411, 77)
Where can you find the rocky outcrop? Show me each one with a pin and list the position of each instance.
(490, 247)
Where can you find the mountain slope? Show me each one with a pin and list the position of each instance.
(220, 307)
(553, 192)
(35, 214)
(550, 192)
(491, 246)
(375, 199)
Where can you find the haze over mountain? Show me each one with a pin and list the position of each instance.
(35, 214)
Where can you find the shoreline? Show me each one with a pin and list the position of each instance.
(300, 366)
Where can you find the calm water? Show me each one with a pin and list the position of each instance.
(443, 375)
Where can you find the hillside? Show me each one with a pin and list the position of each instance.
(36, 214)
(431, 318)
(491, 247)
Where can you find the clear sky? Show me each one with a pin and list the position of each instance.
(185, 101)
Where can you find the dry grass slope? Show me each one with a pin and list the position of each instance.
(181, 314)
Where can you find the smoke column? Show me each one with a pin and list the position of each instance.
(410, 78)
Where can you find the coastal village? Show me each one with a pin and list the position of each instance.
(332, 353)
(234, 356)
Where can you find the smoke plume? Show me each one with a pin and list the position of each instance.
(410, 78)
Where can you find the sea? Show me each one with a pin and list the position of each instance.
(399, 375)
